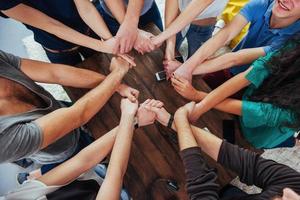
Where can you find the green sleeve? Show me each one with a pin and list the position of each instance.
(255, 114)
(259, 71)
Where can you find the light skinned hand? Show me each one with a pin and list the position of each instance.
(128, 92)
(162, 116)
(126, 37)
(170, 66)
(184, 88)
(145, 117)
(183, 72)
(118, 63)
(128, 107)
(143, 42)
(185, 111)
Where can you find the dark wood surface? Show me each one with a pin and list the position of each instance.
(154, 152)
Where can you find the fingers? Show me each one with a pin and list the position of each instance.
(177, 83)
(116, 47)
(128, 58)
(122, 46)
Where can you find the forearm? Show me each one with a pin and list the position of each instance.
(61, 74)
(228, 105)
(133, 11)
(209, 143)
(35, 18)
(117, 8)
(184, 133)
(218, 95)
(215, 64)
(92, 18)
(93, 101)
(80, 163)
(242, 57)
(185, 18)
(112, 184)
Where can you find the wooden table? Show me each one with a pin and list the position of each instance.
(154, 152)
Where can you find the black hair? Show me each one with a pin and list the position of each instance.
(282, 87)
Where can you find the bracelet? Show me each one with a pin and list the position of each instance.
(170, 122)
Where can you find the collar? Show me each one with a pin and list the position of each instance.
(289, 30)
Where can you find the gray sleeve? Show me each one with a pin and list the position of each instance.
(7, 59)
(20, 141)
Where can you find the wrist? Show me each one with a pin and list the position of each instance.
(200, 95)
(128, 115)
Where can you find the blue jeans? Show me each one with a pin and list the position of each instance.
(151, 16)
(195, 36)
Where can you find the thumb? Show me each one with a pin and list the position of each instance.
(151, 108)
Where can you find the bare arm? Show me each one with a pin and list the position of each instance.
(208, 142)
(112, 184)
(61, 74)
(241, 57)
(35, 18)
(129, 20)
(60, 122)
(218, 95)
(224, 36)
(80, 163)
(92, 18)
(186, 17)
(171, 12)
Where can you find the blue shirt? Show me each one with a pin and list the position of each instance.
(258, 13)
(64, 11)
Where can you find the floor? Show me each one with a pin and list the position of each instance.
(11, 35)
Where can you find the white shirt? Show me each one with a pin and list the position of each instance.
(213, 10)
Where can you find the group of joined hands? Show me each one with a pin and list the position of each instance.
(150, 110)
(128, 38)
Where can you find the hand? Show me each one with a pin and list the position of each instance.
(128, 107)
(128, 58)
(128, 92)
(185, 88)
(143, 42)
(162, 116)
(126, 37)
(156, 41)
(184, 73)
(119, 64)
(170, 66)
(109, 46)
(145, 116)
(185, 111)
